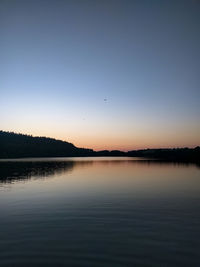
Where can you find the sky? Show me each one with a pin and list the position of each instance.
(103, 74)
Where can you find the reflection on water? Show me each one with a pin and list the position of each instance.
(22, 169)
(13, 171)
(99, 212)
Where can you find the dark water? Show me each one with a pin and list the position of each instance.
(99, 212)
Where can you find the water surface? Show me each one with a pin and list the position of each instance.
(99, 212)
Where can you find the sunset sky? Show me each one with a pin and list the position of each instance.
(103, 74)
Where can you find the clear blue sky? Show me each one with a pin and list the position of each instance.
(102, 74)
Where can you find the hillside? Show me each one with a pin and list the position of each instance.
(14, 145)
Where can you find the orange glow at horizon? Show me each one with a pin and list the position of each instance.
(111, 141)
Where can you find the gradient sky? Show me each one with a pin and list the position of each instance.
(60, 60)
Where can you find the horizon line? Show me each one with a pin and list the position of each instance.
(38, 136)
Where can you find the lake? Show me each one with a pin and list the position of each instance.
(99, 212)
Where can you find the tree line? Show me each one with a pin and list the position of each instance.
(14, 145)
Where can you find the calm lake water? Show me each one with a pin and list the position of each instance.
(99, 212)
